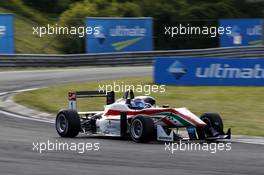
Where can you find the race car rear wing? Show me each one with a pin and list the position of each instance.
(73, 96)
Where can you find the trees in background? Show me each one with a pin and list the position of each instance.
(164, 13)
(50, 6)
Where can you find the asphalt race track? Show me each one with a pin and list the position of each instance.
(114, 156)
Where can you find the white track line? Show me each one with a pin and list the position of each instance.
(3, 93)
(255, 141)
(21, 116)
(26, 118)
(18, 91)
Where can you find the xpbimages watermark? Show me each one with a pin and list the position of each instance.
(192, 146)
(80, 31)
(146, 89)
(181, 29)
(49, 146)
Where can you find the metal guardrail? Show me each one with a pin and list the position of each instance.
(124, 58)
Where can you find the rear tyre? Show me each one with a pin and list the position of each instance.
(142, 129)
(214, 124)
(68, 123)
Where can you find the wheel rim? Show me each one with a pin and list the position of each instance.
(136, 128)
(61, 123)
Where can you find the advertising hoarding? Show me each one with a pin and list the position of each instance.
(209, 71)
(245, 32)
(119, 35)
(6, 34)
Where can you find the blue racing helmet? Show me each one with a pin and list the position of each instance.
(137, 103)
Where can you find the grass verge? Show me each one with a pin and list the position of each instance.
(241, 107)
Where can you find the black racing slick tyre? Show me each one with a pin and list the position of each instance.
(214, 124)
(141, 129)
(68, 123)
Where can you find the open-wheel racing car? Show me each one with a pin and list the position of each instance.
(138, 118)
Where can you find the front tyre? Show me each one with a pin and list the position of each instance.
(68, 123)
(142, 129)
(214, 124)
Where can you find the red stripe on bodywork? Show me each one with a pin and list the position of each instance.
(150, 112)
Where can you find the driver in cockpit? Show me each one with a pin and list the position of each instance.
(142, 102)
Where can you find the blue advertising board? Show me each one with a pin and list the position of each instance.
(6, 34)
(245, 32)
(119, 35)
(209, 71)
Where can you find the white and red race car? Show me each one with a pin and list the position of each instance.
(138, 118)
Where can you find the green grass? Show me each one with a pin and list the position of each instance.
(242, 108)
(26, 42)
